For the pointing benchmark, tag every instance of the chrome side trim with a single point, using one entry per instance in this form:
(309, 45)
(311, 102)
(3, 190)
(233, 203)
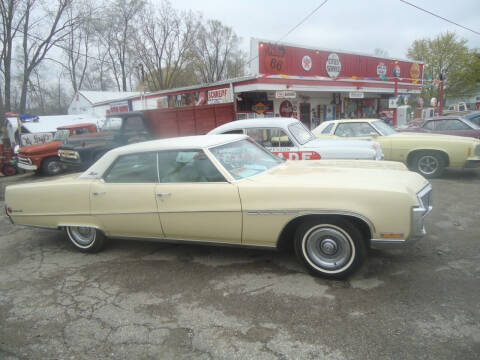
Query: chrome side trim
(191, 242)
(380, 242)
(271, 212)
(39, 226)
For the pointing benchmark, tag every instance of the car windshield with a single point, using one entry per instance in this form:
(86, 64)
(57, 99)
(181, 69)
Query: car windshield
(244, 158)
(62, 135)
(383, 128)
(112, 124)
(472, 124)
(301, 134)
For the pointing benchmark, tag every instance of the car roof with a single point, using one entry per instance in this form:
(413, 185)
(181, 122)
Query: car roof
(177, 143)
(253, 123)
(347, 120)
(186, 142)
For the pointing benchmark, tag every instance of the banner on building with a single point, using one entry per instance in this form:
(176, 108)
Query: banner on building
(219, 96)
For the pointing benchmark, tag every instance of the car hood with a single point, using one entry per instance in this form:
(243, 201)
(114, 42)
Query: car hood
(40, 148)
(343, 174)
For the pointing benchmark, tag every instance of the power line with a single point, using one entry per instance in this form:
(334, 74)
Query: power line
(296, 26)
(303, 20)
(440, 17)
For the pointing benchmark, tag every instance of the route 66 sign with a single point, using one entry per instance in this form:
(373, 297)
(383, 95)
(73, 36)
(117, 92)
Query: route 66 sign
(275, 59)
(306, 63)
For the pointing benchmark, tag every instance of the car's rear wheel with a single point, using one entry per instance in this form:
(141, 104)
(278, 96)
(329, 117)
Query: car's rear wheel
(52, 166)
(329, 247)
(86, 239)
(429, 164)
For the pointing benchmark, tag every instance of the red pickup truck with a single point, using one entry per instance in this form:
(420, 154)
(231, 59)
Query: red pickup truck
(44, 157)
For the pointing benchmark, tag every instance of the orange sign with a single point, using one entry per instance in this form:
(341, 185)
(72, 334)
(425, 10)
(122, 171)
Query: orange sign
(415, 71)
(260, 108)
(275, 58)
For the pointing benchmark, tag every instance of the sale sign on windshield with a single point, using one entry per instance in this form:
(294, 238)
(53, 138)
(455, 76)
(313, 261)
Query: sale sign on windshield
(297, 155)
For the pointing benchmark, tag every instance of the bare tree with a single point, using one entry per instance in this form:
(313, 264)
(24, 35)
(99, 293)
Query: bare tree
(11, 20)
(76, 44)
(166, 44)
(36, 43)
(217, 52)
(118, 33)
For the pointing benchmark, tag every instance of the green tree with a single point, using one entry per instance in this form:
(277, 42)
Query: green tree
(449, 56)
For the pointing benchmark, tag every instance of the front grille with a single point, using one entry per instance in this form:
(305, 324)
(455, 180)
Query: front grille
(24, 160)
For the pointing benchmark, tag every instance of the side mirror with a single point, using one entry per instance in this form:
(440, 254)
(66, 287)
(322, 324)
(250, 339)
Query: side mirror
(373, 134)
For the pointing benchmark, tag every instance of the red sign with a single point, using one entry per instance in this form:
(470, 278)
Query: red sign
(275, 60)
(298, 155)
(286, 109)
(290, 60)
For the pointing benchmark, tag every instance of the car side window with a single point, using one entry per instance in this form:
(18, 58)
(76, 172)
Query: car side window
(186, 166)
(354, 129)
(328, 129)
(238, 131)
(133, 168)
(429, 125)
(451, 124)
(270, 137)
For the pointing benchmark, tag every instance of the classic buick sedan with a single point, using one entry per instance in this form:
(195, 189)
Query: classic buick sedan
(228, 190)
(428, 154)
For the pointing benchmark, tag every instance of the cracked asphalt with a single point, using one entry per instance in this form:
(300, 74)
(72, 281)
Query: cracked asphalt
(141, 300)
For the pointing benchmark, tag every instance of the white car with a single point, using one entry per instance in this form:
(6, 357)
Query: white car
(290, 139)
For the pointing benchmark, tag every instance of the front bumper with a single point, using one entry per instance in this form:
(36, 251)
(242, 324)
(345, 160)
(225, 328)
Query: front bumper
(417, 224)
(472, 163)
(25, 163)
(26, 166)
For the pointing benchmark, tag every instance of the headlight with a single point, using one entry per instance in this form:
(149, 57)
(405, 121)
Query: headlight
(425, 198)
(69, 154)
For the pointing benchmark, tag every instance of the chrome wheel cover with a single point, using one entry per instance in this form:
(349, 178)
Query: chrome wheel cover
(82, 236)
(328, 248)
(428, 164)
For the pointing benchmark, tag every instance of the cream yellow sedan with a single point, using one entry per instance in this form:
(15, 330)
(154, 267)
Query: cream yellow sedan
(228, 190)
(428, 154)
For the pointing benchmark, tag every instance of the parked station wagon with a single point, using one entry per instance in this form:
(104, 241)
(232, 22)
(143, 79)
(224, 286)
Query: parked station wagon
(290, 139)
(228, 190)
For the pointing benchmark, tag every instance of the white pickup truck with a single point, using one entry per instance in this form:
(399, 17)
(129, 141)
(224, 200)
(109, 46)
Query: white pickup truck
(290, 139)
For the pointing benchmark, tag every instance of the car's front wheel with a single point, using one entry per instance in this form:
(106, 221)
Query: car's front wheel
(429, 164)
(86, 239)
(52, 166)
(329, 247)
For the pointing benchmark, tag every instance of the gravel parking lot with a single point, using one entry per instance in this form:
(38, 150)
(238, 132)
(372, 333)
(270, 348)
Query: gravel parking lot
(140, 300)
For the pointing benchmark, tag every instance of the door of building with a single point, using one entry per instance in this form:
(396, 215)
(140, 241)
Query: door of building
(305, 115)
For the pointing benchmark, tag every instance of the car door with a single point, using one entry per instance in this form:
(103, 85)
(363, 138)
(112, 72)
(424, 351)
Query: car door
(124, 200)
(194, 199)
(277, 141)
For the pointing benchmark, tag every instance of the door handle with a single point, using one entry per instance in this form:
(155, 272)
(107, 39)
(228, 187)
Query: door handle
(98, 193)
(163, 194)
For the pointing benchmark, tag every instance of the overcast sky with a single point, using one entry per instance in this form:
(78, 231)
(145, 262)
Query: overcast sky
(352, 25)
